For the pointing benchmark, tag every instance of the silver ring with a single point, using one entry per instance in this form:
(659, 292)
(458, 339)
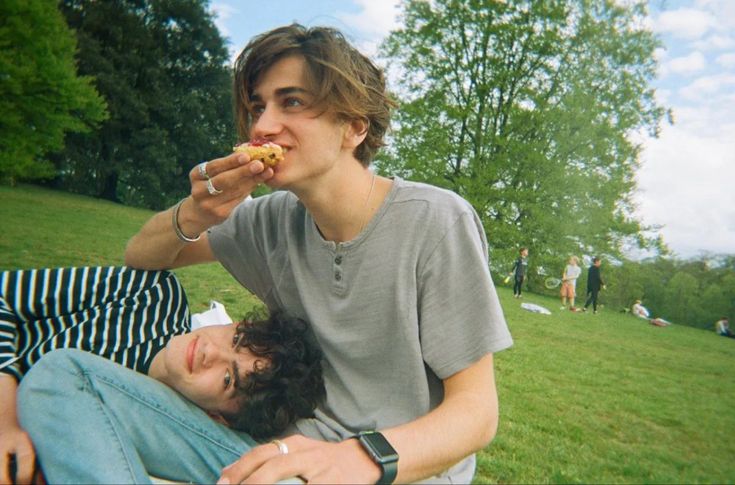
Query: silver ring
(202, 167)
(211, 188)
(282, 447)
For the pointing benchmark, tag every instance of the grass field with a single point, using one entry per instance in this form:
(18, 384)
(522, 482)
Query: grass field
(584, 398)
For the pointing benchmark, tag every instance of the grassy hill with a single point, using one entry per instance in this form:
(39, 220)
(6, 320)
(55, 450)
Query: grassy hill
(586, 398)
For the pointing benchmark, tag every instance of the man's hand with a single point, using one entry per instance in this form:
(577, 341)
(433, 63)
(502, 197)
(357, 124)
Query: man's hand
(234, 177)
(230, 179)
(15, 441)
(310, 460)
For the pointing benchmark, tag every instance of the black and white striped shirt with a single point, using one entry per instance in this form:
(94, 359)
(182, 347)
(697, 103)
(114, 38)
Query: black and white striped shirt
(122, 314)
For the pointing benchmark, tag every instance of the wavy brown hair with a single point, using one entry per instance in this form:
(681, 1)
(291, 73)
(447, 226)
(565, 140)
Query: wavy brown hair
(287, 384)
(343, 81)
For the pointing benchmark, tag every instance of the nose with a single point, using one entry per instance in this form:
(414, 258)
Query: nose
(215, 354)
(268, 123)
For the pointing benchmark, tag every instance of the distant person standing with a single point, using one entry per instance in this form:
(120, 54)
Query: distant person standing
(569, 282)
(520, 268)
(722, 327)
(594, 285)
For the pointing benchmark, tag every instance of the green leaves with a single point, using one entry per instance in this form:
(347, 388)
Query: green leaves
(526, 109)
(162, 66)
(41, 96)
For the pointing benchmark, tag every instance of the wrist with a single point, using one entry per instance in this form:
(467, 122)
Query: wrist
(177, 223)
(380, 452)
(365, 468)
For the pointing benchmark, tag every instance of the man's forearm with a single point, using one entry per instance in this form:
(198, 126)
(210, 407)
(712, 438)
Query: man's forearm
(465, 422)
(8, 395)
(155, 246)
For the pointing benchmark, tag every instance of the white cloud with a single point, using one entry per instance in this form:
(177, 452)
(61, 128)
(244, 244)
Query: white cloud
(222, 13)
(715, 42)
(682, 188)
(726, 60)
(723, 10)
(685, 23)
(688, 64)
(374, 21)
(708, 88)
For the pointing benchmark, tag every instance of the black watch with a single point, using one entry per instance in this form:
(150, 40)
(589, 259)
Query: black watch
(382, 453)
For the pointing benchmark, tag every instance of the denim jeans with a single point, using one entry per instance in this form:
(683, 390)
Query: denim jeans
(94, 421)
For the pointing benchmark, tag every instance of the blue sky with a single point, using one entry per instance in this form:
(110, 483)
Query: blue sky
(687, 179)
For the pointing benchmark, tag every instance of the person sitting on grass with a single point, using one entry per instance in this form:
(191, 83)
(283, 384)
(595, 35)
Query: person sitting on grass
(642, 312)
(255, 375)
(722, 327)
(639, 310)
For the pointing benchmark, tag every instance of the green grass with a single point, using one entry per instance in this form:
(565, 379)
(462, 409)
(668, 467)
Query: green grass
(44, 228)
(584, 398)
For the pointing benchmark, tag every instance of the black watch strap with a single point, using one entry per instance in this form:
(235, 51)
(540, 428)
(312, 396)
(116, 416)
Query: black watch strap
(382, 453)
(390, 470)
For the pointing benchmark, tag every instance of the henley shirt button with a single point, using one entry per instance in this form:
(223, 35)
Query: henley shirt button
(338, 260)
(338, 276)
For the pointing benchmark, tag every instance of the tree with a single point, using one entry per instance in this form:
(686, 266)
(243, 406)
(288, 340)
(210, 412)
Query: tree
(161, 65)
(526, 109)
(41, 95)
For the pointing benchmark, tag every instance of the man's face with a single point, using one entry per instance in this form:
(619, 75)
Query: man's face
(284, 112)
(206, 367)
(598, 263)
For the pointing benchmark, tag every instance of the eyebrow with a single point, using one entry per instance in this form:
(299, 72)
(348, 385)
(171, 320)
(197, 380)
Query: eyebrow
(236, 369)
(281, 92)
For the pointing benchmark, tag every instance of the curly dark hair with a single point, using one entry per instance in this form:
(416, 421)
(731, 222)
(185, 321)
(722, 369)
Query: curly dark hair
(287, 385)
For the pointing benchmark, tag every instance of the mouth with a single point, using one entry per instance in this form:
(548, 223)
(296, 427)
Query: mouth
(191, 353)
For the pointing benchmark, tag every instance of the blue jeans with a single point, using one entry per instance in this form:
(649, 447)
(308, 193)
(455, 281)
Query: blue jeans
(94, 421)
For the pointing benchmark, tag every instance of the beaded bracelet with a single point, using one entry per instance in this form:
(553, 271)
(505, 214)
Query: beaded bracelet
(175, 223)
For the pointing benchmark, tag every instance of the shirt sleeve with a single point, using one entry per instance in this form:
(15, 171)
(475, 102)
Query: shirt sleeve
(460, 315)
(243, 242)
(8, 335)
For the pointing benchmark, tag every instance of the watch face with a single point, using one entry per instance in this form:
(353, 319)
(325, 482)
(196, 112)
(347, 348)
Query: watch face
(384, 452)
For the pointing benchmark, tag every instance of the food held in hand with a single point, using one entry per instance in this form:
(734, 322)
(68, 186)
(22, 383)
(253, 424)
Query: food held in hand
(267, 152)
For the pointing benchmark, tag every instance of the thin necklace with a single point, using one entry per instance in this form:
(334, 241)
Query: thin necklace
(367, 201)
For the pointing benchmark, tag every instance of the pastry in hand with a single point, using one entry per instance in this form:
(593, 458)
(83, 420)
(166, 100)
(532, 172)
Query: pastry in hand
(261, 149)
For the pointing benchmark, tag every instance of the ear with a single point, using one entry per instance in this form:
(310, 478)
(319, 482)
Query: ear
(217, 417)
(355, 133)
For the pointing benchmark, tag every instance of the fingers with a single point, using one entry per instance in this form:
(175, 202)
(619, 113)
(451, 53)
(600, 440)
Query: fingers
(217, 187)
(229, 178)
(267, 463)
(17, 464)
(5, 471)
(248, 463)
(25, 466)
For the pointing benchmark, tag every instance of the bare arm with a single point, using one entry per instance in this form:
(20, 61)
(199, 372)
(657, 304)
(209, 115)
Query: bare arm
(466, 421)
(13, 440)
(156, 245)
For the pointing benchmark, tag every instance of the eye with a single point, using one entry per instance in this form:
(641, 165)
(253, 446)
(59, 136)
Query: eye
(228, 379)
(292, 102)
(256, 110)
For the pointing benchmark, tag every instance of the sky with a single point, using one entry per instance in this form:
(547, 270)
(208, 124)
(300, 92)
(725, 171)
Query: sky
(686, 183)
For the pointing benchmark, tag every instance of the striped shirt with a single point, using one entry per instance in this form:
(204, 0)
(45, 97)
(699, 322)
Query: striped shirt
(119, 313)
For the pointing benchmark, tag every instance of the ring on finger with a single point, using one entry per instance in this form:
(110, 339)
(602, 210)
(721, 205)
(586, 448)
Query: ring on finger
(282, 447)
(211, 188)
(202, 168)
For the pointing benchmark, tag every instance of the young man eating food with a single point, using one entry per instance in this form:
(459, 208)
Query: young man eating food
(391, 275)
